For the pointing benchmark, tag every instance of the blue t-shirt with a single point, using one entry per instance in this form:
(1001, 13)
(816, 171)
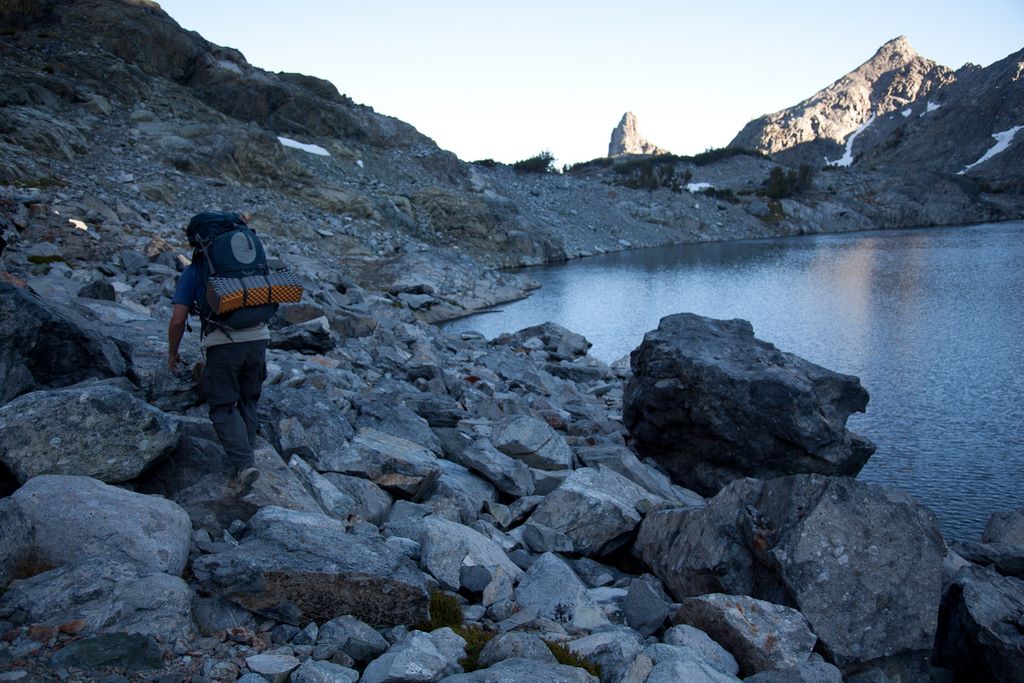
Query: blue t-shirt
(189, 290)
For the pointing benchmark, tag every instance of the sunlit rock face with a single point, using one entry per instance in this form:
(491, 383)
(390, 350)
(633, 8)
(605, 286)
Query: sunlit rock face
(626, 139)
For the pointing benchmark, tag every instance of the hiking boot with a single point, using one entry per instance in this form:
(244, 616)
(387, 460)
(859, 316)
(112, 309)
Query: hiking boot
(241, 483)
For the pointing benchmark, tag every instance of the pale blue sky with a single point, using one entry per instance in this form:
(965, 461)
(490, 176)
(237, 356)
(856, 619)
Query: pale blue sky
(505, 81)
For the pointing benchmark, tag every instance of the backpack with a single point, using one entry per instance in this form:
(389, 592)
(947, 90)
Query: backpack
(227, 253)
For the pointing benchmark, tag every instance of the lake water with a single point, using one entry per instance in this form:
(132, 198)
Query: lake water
(931, 320)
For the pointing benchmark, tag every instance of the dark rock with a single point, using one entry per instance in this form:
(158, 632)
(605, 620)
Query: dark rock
(833, 548)
(646, 606)
(98, 289)
(712, 404)
(761, 635)
(558, 342)
(353, 637)
(214, 614)
(16, 549)
(132, 651)
(313, 336)
(94, 429)
(304, 423)
(1008, 560)
(981, 626)
(46, 346)
(297, 566)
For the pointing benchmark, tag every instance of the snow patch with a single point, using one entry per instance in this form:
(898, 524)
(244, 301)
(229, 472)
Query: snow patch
(312, 149)
(1003, 141)
(906, 112)
(359, 163)
(230, 66)
(697, 187)
(930, 108)
(847, 158)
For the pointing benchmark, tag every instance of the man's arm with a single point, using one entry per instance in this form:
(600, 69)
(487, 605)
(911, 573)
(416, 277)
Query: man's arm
(175, 330)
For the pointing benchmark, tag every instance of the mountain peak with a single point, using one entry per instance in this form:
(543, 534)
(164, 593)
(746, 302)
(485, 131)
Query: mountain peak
(897, 50)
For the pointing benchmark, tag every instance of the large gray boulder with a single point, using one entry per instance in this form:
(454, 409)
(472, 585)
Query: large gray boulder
(43, 345)
(75, 519)
(981, 626)
(95, 429)
(595, 507)
(711, 404)
(298, 567)
(110, 597)
(551, 590)
(763, 636)
(833, 548)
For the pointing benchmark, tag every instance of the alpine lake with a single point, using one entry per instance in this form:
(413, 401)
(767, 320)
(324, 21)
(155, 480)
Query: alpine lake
(931, 320)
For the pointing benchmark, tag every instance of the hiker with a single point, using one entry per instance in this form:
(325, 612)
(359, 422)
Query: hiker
(235, 348)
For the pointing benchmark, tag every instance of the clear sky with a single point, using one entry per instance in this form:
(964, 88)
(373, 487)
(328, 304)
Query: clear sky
(508, 80)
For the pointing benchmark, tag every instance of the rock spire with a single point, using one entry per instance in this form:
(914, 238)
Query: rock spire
(626, 139)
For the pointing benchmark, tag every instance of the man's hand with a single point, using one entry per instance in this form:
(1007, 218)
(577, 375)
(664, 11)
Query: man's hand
(175, 329)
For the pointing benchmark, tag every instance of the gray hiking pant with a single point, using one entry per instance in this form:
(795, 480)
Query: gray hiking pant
(232, 381)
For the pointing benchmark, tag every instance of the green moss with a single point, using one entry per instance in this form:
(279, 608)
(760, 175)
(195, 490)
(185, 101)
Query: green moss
(40, 259)
(566, 656)
(475, 638)
(444, 611)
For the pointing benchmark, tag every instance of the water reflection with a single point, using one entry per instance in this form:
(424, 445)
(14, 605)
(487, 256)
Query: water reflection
(932, 321)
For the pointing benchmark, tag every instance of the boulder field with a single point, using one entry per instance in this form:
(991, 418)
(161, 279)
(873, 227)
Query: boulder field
(435, 507)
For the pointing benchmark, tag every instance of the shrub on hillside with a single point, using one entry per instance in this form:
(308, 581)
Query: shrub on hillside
(542, 163)
(781, 184)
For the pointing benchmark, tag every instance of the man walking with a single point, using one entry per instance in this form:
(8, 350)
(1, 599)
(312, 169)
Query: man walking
(235, 361)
